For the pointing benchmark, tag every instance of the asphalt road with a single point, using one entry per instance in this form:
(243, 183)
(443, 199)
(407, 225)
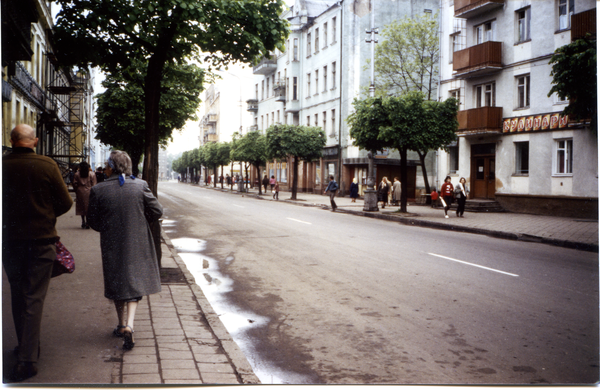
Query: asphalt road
(336, 298)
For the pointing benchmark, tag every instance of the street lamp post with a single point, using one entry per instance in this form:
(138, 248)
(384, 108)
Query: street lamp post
(370, 193)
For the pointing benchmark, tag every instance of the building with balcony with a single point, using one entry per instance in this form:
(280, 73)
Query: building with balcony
(55, 100)
(316, 80)
(513, 144)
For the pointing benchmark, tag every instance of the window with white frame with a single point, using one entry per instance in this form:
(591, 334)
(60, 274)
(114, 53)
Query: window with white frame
(295, 88)
(333, 123)
(308, 120)
(268, 89)
(295, 49)
(563, 164)
(333, 75)
(308, 48)
(566, 8)
(454, 45)
(523, 24)
(453, 157)
(325, 79)
(256, 91)
(287, 49)
(333, 29)
(522, 158)
(455, 93)
(325, 121)
(486, 32)
(307, 85)
(316, 40)
(262, 90)
(325, 42)
(316, 120)
(316, 82)
(485, 95)
(523, 91)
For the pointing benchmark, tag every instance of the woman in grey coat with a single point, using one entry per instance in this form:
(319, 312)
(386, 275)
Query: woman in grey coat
(121, 209)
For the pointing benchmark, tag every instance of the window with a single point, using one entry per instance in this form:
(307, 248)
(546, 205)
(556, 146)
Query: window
(308, 85)
(316, 120)
(486, 32)
(287, 89)
(455, 94)
(523, 24)
(262, 90)
(564, 157)
(566, 8)
(325, 121)
(316, 40)
(485, 95)
(453, 157)
(324, 79)
(316, 82)
(454, 45)
(333, 75)
(308, 49)
(333, 30)
(523, 91)
(295, 49)
(256, 91)
(268, 89)
(308, 120)
(522, 158)
(287, 49)
(295, 89)
(333, 123)
(325, 35)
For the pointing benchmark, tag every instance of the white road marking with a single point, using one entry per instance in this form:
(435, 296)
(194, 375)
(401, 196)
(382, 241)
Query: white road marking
(297, 220)
(474, 265)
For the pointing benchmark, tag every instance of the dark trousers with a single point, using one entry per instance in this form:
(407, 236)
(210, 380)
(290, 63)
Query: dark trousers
(29, 268)
(332, 200)
(461, 205)
(448, 200)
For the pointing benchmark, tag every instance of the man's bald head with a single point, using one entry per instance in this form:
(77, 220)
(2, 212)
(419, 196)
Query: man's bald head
(23, 136)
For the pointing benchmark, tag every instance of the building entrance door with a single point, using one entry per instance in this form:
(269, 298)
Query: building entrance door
(483, 171)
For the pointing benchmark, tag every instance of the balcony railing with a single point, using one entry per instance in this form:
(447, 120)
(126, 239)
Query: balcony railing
(478, 60)
(279, 90)
(483, 120)
(252, 105)
(471, 8)
(253, 128)
(267, 65)
(583, 23)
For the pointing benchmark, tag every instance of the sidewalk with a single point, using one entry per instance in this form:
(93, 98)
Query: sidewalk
(574, 233)
(179, 339)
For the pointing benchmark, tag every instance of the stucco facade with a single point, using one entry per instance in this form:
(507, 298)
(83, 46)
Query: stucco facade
(514, 146)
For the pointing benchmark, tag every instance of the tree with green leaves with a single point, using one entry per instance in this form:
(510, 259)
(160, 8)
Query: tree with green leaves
(574, 78)
(407, 58)
(250, 148)
(215, 155)
(299, 142)
(112, 33)
(120, 112)
(405, 123)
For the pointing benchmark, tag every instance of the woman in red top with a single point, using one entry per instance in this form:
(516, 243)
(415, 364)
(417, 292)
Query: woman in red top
(447, 192)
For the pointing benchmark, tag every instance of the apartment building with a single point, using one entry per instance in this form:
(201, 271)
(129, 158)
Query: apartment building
(36, 90)
(513, 144)
(316, 79)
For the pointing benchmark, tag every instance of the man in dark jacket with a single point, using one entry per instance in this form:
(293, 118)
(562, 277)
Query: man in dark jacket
(332, 187)
(34, 194)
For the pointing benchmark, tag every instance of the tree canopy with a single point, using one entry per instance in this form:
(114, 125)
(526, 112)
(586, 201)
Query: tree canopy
(112, 33)
(574, 78)
(120, 112)
(300, 142)
(407, 58)
(250, 148)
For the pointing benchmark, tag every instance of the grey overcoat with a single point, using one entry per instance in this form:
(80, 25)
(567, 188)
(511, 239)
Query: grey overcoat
(121, 215)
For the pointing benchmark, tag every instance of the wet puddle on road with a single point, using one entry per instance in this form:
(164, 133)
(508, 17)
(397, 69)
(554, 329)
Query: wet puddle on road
(215, 286)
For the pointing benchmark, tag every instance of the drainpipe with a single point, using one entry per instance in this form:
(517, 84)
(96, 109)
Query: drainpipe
(439, 92)
(341, 73)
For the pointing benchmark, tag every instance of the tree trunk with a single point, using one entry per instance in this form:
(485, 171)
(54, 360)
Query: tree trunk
(257, 166)
(403, 179)
(425, 178)
(221, 177)
(295, 179)
(135, 162)
(246, 166)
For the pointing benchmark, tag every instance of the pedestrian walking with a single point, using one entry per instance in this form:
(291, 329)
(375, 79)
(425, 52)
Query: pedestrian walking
(265, 182)
(332, 187)
(272, 182)
(99, 174)
(382, 191)
(83, 182)
(34, 194)
(276, 191)
(460, 193)
(121, 209)
(447, 193)
(396, 191)
(354, 190)
(434, 198)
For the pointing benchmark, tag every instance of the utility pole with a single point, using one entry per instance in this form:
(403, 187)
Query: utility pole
(370, 193)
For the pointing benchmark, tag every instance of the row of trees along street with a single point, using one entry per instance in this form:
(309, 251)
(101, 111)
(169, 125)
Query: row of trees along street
(302, 143)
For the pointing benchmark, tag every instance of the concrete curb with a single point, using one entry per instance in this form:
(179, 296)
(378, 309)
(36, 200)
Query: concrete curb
(238, 360)
(442, 226)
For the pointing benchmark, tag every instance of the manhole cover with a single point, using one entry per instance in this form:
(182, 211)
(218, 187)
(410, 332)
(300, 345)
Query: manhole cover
(172, 276)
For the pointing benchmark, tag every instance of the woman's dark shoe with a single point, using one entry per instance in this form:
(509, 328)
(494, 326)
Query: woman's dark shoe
(22, 371)
(83, 225)
(128, 342)
(117, 332)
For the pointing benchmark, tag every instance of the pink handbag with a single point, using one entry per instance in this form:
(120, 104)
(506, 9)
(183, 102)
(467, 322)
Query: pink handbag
(64, 262)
